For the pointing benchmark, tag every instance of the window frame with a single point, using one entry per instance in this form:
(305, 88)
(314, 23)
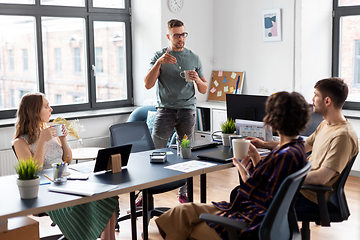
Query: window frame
(338, 12)
(89, 14)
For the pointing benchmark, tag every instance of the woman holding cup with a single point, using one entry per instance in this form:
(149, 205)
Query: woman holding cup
(34, 139)
(287, 114)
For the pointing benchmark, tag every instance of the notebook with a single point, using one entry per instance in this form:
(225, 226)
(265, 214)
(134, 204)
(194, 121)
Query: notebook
(225, 154)
(104, 155)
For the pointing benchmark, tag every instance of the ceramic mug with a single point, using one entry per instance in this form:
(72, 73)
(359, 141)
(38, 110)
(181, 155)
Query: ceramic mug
(240, 148)
(185, 74)
(59, 130)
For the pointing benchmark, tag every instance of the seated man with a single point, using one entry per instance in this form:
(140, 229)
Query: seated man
(249, 201)
(333, 143)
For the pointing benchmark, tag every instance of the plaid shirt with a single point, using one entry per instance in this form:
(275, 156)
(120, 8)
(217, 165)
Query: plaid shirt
(250, 201)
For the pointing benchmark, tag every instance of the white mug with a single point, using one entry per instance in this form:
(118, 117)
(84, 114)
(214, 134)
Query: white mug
(185, 74)
(240, 148)
(59, 129)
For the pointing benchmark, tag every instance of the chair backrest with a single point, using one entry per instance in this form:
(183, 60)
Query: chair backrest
(280, 220)
(140, 113)
(13, 148)
(338, 197)
(135, 133)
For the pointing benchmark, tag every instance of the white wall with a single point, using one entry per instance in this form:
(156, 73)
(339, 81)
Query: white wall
(149, 24)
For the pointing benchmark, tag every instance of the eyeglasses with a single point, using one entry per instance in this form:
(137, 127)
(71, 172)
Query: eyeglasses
(177, 35)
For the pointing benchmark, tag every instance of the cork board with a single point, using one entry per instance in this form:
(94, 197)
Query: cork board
(225, 82)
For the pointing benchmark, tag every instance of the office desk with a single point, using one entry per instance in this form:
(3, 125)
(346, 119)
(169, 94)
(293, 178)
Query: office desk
(129, 180)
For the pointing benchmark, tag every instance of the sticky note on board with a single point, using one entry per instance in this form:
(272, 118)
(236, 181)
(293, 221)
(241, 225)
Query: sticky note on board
(233, 75)
(226, 88)
(216, 83)
(213, 90)
(219, 93)
(231, 89)
(224, 80)
(220, 73)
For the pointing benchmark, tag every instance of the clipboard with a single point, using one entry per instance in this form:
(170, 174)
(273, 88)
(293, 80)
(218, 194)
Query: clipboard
(225, 82)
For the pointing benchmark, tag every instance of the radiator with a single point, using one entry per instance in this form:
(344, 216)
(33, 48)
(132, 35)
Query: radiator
(8, 159)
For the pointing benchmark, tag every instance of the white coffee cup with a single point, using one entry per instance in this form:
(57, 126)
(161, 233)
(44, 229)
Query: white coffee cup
(185, 74)
(240, 148)
(59, 129)
(234, 136)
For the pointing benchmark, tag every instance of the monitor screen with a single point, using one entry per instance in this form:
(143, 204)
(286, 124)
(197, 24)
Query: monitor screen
(246, 107)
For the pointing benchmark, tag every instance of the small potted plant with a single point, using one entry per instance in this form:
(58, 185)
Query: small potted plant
(28, 181)
(185, 151)
(227, 128)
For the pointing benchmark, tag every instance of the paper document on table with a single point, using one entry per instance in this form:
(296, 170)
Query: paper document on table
(86, 167)
(190, 166)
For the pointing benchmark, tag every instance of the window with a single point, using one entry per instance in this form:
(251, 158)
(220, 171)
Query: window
(121, 60)
(99, 60)
(346, 48)
(25, 60)
(11, 60)
(74, 51)
(57, 56)
(77, 60)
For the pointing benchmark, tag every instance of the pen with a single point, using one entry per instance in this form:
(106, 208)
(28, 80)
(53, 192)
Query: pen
(67, 157)
(48, 177)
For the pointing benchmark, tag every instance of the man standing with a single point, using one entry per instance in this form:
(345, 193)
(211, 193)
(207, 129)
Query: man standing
(333, 143)
(175, 97)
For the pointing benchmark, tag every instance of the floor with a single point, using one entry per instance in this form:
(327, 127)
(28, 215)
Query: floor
(223, 181)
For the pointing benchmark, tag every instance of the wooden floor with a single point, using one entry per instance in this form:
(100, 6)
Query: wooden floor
(222, 183)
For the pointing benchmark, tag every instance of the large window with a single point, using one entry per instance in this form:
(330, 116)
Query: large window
(346, 48)
(69, 50)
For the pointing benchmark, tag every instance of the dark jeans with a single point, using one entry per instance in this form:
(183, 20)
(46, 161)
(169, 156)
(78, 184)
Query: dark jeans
(183, 120)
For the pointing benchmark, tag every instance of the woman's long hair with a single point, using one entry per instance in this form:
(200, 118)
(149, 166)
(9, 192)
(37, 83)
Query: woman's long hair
(28, 116)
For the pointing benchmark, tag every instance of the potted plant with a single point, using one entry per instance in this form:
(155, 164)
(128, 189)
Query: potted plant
(227, 128)
(28, 181)
(185, 151)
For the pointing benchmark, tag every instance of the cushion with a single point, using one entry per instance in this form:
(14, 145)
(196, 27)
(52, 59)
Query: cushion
(150, 120)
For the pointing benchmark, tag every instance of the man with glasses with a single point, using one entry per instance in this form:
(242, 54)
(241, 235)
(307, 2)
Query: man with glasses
(175, 96)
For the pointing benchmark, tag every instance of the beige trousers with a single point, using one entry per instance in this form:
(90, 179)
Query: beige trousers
(182, 222)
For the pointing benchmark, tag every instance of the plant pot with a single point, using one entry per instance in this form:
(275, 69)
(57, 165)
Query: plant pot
(185, 152)
(28, 189)
(225, 139)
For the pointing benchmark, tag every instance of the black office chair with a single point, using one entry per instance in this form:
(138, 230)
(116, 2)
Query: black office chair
(137, 134)
(338, 212)
(280, 220)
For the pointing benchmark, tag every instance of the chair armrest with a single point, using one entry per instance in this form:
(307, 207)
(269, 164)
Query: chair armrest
(320, 191)
(231, 225)
(317, 188)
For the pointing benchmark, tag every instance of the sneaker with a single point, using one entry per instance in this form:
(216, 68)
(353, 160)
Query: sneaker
(139, 202)
(138, 205)
(183, 198)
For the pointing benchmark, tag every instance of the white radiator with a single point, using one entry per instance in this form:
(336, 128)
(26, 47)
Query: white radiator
(8, 159)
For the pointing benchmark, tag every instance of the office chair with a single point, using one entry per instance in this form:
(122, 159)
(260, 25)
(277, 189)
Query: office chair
(280, 221)
(327, 214)
(52, 237)
(137, 134)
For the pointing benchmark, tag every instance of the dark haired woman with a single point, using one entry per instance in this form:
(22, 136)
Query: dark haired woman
(34, 139)
(249, 201)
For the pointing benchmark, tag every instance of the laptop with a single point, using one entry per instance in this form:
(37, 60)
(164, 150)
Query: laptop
(226, 154)
(104, 155)
(200, 144)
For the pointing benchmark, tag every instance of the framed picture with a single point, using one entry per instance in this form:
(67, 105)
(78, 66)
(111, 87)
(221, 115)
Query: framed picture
(271, 25)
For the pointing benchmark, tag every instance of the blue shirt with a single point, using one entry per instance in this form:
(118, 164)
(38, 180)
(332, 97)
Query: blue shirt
(172, 91)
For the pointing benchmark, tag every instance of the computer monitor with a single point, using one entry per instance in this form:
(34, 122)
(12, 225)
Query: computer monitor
(252, 107)
(246, 107)
(314, 122)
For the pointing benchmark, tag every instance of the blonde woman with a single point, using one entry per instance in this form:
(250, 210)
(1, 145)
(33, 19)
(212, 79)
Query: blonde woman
(34, 139)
